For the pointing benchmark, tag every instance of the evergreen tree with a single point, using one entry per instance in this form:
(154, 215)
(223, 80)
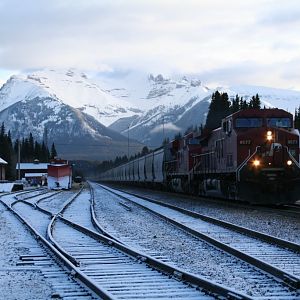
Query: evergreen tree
(37, 151)
(6, 151)
(297, 119)
(145, 151)
(219, 108)
(44, 153)
(235, 106)
(166, 141)
(2, 130)
(178, 136)
(30, 150)
(255, 102)
(53, 151)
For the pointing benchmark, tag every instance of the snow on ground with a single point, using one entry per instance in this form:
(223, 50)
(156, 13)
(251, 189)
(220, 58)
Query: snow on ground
(18, 282)
(6, 187)
(280, 226)
(156, 237)
(23, 285)
(79, 210)
(54, 204)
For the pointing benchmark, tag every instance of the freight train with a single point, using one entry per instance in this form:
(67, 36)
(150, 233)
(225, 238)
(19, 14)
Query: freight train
(253, 156)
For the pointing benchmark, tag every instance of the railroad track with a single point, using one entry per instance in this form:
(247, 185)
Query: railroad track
(292, 209)
(122, 272)
(277, 257)
(289, 210)
(52, 265)
(110, 269)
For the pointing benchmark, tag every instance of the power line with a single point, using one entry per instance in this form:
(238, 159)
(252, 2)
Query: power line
(95, 145)
(109, 145)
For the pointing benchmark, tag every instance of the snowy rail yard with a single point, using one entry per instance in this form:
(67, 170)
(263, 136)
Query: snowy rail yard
(100, 243)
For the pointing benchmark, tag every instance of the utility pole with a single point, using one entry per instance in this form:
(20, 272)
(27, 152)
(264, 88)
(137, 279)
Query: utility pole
(128, 143)
(46, 136)
(163, 129)
(19, 160)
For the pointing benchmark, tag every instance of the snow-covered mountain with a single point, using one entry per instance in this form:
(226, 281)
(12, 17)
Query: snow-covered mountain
(170, 105)
(70, 87)
(271, 97)
(149, 105)
(77, 135)
(144, 107)
(174, 104)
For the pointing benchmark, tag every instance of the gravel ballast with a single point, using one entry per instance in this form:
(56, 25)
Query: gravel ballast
(272, 223)
(156, 237)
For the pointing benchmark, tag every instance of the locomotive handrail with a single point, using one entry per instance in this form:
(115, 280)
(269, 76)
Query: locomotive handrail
(199, 162)
(292, 157)
(241, 166)
(202, 154)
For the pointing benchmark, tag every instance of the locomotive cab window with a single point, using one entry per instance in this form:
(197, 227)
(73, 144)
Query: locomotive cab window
(227, 126)
(279, 122)
(248, 122)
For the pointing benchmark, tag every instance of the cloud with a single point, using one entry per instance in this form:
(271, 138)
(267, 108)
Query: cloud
(280, 13)
(166, 126)
(159, 36)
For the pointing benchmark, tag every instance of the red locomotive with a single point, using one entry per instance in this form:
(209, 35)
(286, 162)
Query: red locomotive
(253, 156)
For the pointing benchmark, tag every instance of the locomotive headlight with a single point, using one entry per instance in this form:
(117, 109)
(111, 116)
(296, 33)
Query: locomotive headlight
(256, 163)
(289, 162)
(269, 135)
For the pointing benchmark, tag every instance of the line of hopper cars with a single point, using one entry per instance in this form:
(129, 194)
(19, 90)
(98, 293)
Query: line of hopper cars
(253, 157)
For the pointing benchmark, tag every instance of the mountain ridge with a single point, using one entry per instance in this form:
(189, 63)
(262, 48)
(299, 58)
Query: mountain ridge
(144, 107)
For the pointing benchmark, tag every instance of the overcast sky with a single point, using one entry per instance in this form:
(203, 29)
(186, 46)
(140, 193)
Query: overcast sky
(224, 42)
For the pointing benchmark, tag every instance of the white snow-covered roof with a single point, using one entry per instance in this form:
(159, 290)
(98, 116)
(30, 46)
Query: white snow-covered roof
(32, 166)
(6, 187)
(2, 161)
(35, 174)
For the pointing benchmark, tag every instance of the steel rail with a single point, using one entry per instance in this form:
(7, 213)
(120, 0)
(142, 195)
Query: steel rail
(74, 271)
(49, 236)
(200, 282)
(252, 233)
(51, 225)
(285, 210)
(152, 262)
(167, 269)
(288, 278)
(94, 218)
(34, 196)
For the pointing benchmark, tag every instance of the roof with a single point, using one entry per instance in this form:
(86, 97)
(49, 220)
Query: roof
(32, 166)
(35, 174)
(2, 161)
(261, 113)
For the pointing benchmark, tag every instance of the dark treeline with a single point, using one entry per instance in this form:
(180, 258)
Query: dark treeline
(119, 160)
(7, 151)
(221, 106)
(297, 118)
(30, 150)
